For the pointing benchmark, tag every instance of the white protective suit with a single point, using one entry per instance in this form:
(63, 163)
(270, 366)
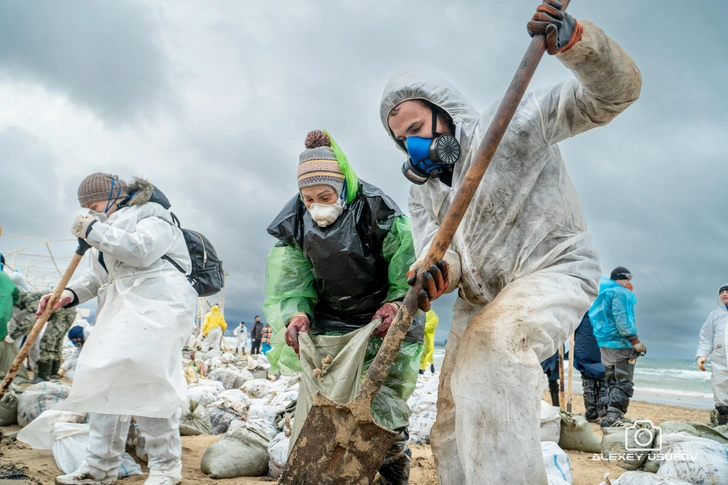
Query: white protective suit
(18, 279)
(131, 364)
(712, 344)
(521, 257)
(241, 338)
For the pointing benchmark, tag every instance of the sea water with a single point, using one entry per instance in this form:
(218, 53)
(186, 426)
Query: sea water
(665, 381)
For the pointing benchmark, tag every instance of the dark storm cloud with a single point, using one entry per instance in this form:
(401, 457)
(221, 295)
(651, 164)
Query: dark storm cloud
(103, 55)
(258, 77)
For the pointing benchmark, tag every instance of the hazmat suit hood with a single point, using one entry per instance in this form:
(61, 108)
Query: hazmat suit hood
(721, 305)
(418, 83)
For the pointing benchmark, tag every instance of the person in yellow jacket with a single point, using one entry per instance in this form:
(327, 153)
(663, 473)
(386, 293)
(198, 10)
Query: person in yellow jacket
(213, 327)
(431, 323)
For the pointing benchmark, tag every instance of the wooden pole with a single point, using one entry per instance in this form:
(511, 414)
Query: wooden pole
(570, 395)
(561, 375)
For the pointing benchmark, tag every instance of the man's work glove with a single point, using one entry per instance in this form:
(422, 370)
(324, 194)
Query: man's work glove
(298, 324)
(638, 346)
(560, 28)
(701, 363)
(434, 283)
(80, 225)
(66, 297)
(386, 314)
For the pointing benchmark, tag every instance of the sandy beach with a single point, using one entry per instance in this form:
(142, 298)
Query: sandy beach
(39, 465)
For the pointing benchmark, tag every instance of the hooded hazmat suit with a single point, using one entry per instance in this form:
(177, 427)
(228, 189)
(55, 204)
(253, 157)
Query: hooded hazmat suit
(713, 343)
(131, 363)
(213, 328)
(521, 257)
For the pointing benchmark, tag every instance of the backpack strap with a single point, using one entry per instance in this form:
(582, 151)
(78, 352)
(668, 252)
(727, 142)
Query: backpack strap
(175, 222)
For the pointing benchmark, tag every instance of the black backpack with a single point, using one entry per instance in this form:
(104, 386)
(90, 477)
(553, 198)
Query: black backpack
(207, 276)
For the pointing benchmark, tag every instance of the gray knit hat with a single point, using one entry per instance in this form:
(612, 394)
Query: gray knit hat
(101, 186)
(317, 164)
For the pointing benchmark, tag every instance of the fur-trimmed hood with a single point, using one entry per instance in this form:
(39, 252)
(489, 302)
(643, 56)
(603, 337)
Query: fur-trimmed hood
(142, 191)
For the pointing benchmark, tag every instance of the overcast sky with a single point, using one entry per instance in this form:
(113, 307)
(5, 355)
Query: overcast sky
(211, 101)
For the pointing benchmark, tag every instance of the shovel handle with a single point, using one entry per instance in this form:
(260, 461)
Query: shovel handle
(38, 326)
(509, 104)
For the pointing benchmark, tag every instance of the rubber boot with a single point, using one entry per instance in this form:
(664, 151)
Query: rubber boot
(602, 398)
(396, 467)
(432, 368)
(614, 415)
(591, 398)
(43, 373)
(554, 391)
(55, 366)
(722, 415)
(422, 372)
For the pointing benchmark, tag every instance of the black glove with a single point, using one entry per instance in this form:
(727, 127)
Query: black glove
(558, 27)
(434, 283)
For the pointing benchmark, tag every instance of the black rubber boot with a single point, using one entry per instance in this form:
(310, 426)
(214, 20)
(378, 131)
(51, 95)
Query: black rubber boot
(43, 373)
(396, 467)
(554, 391)
(422, 372)
(722, 415)
(614, 415)
(55, 366)
(591, 398)
(602, 395)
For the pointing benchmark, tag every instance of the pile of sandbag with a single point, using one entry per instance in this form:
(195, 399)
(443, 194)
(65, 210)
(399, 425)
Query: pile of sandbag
(39, 398)
(241, 452)
(423, 404)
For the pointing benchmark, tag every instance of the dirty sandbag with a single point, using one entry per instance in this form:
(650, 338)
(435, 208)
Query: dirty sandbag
(557, 463)
(577, 435)
(337, 363)
(643, 478)
(224, 375)
(9, 406)
(69, 449)
(39, 398)
(277, 455)
(550, 423)
(702, 461)
(621, 441)
(8, 352)
(242, 377)
(257, 388)
(242, 452)
(194, 420)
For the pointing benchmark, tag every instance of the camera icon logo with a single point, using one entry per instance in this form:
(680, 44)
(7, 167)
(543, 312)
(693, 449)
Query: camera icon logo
(642, 436)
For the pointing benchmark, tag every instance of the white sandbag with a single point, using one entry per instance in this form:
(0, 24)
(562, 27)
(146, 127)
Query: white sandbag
(202, 395)
(283, 398)
(242, 377)
(695, 460)
(194, 420)
(257, 388)
(556, 461)
(277, 455)
(644, 478)
(234, 395)
(576, 434)
(39, 398)
(242, 452)
(9, 406)
(216, 385)
(70, 441)
(224, 375)
(550, 423)
(265, 427)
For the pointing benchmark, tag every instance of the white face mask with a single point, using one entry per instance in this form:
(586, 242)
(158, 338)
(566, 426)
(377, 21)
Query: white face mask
(99, 216)
(326, 214)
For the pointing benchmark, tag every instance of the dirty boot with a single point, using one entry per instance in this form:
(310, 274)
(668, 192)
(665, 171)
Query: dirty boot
(614, 415)
(602, 398)
(85, 475)
(396, 467)
(43, 372)
(591, 398)
(554, 391)
(55, 366)
(722, 415)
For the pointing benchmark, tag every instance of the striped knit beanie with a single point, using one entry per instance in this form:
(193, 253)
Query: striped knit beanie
(100, 186)
(317, 164)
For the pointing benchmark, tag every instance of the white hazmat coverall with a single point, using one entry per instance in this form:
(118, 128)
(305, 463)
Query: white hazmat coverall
(241, 338)
(131, 364)
(713, 343)
(521, 257)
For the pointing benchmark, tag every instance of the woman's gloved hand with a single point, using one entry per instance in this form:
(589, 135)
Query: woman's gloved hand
(298, 324)
(562, 31)
(386, 314)
(435, 283)
(80, 225)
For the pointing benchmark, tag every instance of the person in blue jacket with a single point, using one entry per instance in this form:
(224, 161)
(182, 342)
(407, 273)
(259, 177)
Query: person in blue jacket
(612, 318)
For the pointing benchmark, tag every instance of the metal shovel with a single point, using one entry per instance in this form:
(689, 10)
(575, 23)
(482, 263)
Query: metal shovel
(341, 444)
